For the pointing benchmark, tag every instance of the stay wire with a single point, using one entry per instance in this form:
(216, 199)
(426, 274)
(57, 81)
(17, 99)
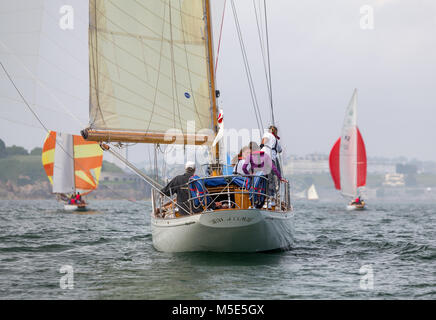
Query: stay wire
(269, 63)
(247, 69)
(262, 48)
(42, 123)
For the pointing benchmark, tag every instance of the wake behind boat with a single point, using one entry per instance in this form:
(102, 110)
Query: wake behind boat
(75, 207)
(355, 206)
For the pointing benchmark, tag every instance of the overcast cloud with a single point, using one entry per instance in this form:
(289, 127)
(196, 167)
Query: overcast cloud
(319, 54)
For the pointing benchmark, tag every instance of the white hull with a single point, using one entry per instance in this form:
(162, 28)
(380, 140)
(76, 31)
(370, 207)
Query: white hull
(249, 230)
(353, 207)
(73, 207)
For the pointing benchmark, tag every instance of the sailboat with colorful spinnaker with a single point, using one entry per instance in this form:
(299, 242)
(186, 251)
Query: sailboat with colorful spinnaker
(73, 167)
(348, 164)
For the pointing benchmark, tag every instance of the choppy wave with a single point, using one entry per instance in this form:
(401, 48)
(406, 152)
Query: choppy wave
(111, 253)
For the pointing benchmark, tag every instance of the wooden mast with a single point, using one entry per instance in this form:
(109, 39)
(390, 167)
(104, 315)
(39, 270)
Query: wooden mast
(212, 76)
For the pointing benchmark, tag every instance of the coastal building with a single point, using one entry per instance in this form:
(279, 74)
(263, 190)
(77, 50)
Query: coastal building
(319, 163)
(394, 180)
(119, 177)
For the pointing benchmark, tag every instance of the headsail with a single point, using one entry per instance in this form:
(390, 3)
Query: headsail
(150, 69)
(348, 149)
(348, 156)
(63, 171)
(71, 163)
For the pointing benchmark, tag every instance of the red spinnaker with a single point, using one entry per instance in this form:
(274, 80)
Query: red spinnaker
(334, 164)
(361, 161)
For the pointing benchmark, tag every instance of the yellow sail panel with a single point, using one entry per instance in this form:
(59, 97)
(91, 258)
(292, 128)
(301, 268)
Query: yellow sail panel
(88, 159)
(48, 153)
(149, 65)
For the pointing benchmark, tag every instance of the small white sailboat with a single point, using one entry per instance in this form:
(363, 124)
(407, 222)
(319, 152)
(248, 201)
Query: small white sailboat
(152, 80)
(348, 164)
(311, 193)
(73, 166)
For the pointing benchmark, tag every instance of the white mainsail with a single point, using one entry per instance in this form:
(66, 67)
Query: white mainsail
(63, 170)
(149, 66)
(348, 150)
(311, 193)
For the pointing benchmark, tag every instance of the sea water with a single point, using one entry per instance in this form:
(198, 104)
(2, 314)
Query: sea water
(385, 252)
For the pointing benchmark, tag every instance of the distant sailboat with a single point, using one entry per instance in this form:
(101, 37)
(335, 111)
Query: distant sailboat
(311, 193)
(348, 158)
(72, 165)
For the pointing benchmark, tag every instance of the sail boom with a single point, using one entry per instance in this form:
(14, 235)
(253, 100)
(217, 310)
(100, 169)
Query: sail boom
(141, 137)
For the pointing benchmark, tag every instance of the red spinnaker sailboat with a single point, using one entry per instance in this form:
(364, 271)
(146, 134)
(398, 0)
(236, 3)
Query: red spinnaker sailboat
(348, 158)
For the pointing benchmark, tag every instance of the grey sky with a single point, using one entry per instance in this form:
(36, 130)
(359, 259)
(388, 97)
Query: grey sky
(319, 54)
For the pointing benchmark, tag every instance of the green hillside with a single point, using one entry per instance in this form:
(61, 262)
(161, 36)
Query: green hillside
(22, 169)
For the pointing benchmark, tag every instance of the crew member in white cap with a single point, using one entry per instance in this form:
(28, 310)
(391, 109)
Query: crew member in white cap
(178, 185)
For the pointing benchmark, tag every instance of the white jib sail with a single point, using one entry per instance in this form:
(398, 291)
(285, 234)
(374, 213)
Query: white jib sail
(63, 172)
(348, 150)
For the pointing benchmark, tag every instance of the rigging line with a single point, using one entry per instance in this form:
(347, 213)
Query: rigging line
(156, 170)
(153, 183)
(36, 105)
(22, 97)
(30, 108)
(269, 63)
(37, 117)
(148, 84)
(189, 70)
(241, 43)
(131, 54)
(149, 157)
(144, 97)
(173, 67)
(219, 40)
(247, 69)
(41, 85)
(262, 48)
(146, 26)
(145, 61)
(21, 123)
(94, 38)
(158, 74)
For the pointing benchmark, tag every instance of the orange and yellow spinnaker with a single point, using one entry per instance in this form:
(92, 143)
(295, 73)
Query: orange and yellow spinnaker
(71, 163)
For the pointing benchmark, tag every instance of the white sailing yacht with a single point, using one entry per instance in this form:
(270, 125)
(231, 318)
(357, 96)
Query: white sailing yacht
(309, 193)
(152, 80)
(348, 158)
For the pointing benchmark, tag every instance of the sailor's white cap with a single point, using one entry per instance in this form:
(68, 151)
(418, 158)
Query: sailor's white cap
(190, 164)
